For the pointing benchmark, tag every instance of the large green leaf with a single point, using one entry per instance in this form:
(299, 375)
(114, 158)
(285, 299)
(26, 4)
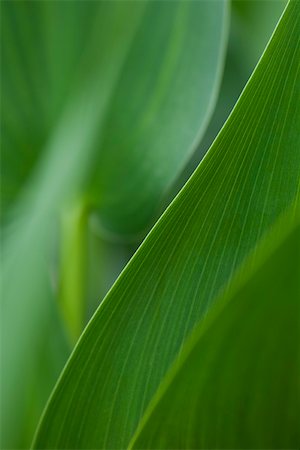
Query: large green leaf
(248, 178)
(160, 108)
(161, 103)
(251, 25)
(236, 382)
(250, 15)
(65, 67)
(27, 293)
(30, 243)
(46, 62)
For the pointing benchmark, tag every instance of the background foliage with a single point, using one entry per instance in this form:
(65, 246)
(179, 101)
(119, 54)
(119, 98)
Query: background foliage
(106, 110)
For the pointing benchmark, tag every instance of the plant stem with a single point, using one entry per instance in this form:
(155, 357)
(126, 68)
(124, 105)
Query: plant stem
(73, 267)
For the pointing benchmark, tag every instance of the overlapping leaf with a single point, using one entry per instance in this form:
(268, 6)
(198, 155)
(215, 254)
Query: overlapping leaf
(61, 62)
(46, 62)
(170, 76)
(248, 178)
(235, 385)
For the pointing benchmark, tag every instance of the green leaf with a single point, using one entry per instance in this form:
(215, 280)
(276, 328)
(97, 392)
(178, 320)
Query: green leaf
(236, 382)
(27, 269)
(251, 26)
(248, 178)
(247, 16)
(65, 66)
(160, 109)
(164, 93)
(47, 64)
(29, 244)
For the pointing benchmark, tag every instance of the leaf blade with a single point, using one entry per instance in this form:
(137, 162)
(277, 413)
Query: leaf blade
(145, 95)
(58, 84)
(139, 329)
(237, 376)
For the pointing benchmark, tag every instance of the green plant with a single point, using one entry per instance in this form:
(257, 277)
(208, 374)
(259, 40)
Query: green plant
(170, 358)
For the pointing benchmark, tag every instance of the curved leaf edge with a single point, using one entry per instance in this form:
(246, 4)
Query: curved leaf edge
(284, 227)
(150, 237)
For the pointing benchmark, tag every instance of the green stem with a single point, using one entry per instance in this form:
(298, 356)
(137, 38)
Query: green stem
(73, 267)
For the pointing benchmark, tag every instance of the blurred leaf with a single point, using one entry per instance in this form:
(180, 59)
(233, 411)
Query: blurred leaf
(46, 64)
(61, 62)
(107, 259)
(252, 23)
(236, 382)
(28, 244)
(248, 178)
(160, 107)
